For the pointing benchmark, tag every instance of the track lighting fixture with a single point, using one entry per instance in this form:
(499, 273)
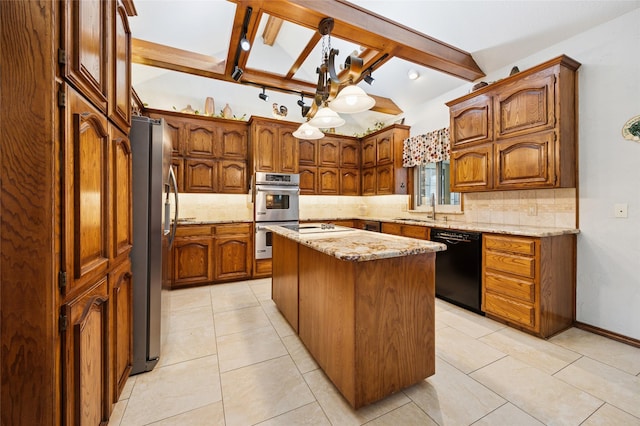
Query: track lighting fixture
(245, 44)
(301, 101)
(368, 79)
(237, 73)
(263, 95)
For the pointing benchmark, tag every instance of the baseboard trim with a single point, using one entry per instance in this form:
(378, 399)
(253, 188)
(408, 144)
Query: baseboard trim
(606, 333)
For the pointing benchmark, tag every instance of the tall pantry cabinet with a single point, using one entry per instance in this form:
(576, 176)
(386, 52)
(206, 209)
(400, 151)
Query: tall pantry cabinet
(65, 228)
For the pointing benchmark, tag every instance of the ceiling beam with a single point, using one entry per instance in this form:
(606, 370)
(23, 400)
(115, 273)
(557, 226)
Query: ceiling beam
(161, 56)
(366, 28)
(271, 30)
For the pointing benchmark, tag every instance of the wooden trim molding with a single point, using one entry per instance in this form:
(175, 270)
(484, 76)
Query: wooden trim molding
(609, 334)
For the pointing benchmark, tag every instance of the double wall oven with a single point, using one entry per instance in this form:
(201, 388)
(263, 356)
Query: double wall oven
(276, 202)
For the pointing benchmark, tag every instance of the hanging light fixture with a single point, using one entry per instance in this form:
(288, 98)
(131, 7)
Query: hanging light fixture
(307, 131)
(352, 99)
(355, 100)
(326, 118)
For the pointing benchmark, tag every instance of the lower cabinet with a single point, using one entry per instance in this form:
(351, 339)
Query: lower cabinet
(205, 254)
(411, 231)
(121, 326)
(529, 283)
(85, 352)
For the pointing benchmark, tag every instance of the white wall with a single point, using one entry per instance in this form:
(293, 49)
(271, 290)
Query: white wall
(608, 281)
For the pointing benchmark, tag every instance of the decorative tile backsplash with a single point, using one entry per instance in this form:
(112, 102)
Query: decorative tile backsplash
(544, 207)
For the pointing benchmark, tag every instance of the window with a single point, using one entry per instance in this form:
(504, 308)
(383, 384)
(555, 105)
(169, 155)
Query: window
(432, 179)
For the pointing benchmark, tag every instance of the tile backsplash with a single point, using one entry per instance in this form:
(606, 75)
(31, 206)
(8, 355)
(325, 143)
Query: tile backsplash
(544, 207)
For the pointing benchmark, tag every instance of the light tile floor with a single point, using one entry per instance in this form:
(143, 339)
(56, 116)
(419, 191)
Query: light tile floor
(230, 359)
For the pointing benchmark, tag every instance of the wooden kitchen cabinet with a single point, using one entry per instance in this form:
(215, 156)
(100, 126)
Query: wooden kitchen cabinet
(210, 155)
(120, 81)
(403, 230)
(329, 152)
(308, 155)
(529, 283)
(518, 133)
(308, 180)
(382, 171)
(274, 148)
(233, 251)
(120, 327)
(328, 180)
(350, 154)
(349, 181)
(206, 254)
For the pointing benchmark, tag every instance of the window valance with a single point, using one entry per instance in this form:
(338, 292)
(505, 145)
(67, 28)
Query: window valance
(431, 147)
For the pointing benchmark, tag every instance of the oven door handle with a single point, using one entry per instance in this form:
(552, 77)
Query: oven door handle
(262, 188)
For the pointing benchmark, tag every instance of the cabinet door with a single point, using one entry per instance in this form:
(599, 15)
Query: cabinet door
(233, 253)
(329, 180)
(121, 187)
(121, 326)
(472, 169)
(287, 156)
(177, 164)
(120, 98)
(350, 154)
(329, 153)
(308, 152)
(349, 182)
(192, 261)
(369, 181)
(175, 132)
(471, 122)
(233, 177)
(200, 175)
(85, 357)
(384, 148)
(526, 105)
(308, 180)
(201, 140)
(265, 148)
(525, 161)
(85, 206)
(368, 153)
(384, 179)
(87, 48)
(234, 142)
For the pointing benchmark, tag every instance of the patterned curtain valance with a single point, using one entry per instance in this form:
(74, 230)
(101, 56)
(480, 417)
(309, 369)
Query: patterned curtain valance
(428, 148)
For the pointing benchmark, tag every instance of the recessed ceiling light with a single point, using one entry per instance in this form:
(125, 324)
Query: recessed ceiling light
(413, 74)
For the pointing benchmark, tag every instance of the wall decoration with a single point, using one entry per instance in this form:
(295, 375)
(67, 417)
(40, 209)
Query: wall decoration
(631, 129)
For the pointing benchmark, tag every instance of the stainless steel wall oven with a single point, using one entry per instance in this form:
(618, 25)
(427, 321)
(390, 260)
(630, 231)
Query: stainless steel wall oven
(276, 202)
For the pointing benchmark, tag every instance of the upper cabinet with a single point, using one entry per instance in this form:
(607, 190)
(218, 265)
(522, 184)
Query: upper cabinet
(382, 171)
(209, 154)
(96, 56)
(517, 133)
(274, 148)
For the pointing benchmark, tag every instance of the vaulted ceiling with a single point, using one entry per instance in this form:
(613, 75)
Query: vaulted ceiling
(184, 51)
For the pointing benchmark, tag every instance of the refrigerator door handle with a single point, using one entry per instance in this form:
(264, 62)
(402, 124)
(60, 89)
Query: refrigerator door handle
(173, 183)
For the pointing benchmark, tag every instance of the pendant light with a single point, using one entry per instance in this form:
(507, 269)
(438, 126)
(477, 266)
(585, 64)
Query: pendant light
(307, 131)
(326, 118)
(352, 99)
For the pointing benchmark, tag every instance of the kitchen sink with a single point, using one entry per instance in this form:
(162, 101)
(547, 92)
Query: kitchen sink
(317, 228)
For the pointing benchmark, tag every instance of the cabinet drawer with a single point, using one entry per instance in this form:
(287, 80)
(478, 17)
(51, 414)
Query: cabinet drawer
(192, 231)
(411, 231)
(511, 310)
(232, 229)
(525, 246)
(510, 263)
(509, 286)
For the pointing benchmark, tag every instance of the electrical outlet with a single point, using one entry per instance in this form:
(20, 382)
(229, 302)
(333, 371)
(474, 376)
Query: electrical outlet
(620, 210)
(533, 210)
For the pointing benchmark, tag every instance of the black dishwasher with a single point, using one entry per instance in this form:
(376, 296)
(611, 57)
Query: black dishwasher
(458, 269)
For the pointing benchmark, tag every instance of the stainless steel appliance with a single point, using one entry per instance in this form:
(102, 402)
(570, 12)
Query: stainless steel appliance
(276, 202)
(155, 195)
(458, 269)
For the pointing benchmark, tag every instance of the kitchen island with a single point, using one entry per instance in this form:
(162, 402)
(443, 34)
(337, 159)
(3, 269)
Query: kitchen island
(362, 303)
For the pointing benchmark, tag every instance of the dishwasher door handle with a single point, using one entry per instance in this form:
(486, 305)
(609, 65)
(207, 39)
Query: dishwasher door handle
(453, 240)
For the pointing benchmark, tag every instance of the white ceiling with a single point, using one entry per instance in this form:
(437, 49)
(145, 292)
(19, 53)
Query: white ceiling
(496, 33)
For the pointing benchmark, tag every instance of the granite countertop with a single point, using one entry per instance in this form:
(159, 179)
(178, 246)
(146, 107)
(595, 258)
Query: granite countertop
(493, 228)
(358, 246)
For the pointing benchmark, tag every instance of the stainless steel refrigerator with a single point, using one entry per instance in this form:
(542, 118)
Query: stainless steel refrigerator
(155, 199)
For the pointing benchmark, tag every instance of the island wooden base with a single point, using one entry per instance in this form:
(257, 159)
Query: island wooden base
(369, 325)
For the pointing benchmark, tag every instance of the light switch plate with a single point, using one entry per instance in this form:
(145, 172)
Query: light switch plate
(620, 210)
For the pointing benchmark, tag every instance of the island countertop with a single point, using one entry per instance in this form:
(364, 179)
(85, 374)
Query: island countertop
(357, 245)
